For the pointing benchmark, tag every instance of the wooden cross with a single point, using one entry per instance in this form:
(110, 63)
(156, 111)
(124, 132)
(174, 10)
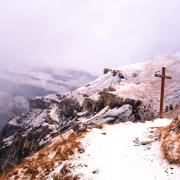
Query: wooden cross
(163, 77)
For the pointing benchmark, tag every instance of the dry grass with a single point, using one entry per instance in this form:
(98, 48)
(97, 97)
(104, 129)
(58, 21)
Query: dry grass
(68, 177)
(170, 142)
(66, 173)
(100, 126)
(40, 165)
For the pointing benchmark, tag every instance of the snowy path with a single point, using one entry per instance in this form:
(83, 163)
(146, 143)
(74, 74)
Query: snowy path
(113, 153)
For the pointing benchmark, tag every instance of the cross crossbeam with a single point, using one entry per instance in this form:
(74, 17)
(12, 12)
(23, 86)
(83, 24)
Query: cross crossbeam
(163, 78)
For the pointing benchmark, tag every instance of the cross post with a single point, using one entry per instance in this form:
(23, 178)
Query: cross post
(163, 78)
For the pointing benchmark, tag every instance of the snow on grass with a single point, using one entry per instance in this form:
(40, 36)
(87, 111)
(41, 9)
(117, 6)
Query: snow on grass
(113, 153)
(170, 142)
(47, 161)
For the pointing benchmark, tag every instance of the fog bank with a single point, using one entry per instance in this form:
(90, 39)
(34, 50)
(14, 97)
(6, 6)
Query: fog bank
(87, 34)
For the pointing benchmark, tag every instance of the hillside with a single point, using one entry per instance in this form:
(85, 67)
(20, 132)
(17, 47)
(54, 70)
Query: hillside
(128, 93)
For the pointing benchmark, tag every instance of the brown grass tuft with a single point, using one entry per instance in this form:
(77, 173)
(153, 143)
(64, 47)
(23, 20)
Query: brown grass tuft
(170, 142)
(67, 177)
(100, 126)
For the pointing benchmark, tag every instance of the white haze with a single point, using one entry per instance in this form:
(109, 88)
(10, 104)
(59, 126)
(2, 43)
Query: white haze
(87, 34)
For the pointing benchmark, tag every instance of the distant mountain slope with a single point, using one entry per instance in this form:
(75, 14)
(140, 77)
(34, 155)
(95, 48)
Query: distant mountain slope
(128, 93)
(138, 81)
(20, 83)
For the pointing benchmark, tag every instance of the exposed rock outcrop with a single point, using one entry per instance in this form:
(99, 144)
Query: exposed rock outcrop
(114, 101)
(92, 105)
(70, 107)
(40, 102)
(106, 70)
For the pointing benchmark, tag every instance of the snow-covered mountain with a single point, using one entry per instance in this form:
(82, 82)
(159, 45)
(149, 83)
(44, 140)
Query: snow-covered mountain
(20, 83)
(53, 128)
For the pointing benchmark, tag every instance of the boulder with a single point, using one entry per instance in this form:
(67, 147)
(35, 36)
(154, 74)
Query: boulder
(121, 114)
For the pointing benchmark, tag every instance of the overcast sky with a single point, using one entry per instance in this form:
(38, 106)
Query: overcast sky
(87, 34)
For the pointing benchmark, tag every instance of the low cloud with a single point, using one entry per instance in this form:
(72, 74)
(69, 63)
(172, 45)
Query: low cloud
(87, 34)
